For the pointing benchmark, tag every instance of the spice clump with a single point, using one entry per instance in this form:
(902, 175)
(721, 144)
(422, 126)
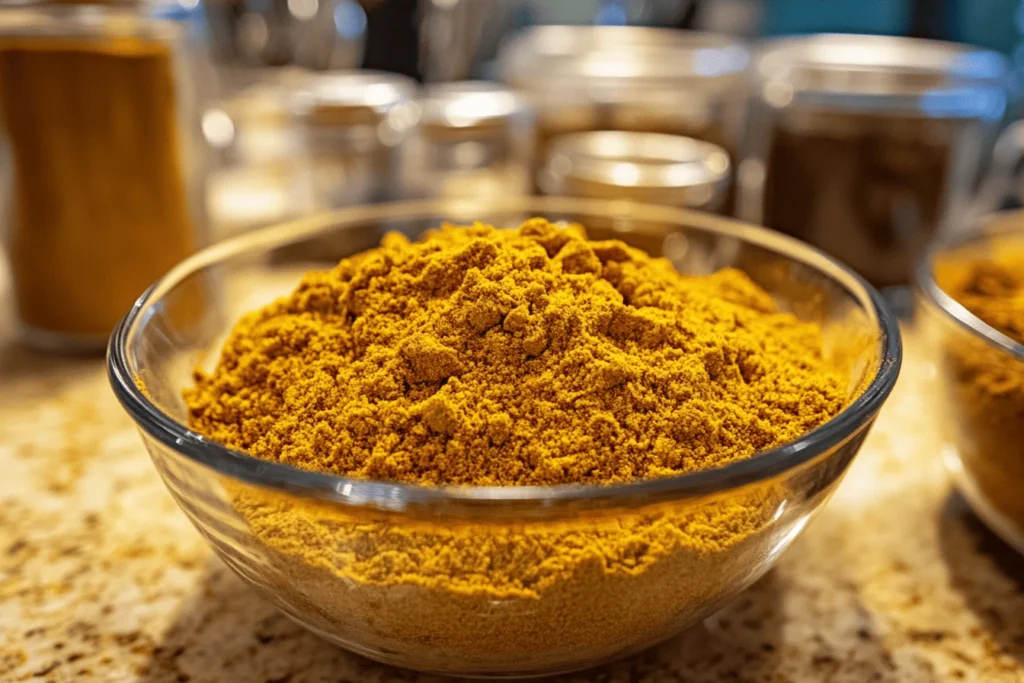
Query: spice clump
(532, 356)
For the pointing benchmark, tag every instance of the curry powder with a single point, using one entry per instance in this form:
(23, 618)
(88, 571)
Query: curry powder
(100, 203)
(986, 384)
(529, 357)
(478, 356)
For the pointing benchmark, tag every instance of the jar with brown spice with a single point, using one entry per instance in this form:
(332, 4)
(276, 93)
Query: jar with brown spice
(106, 180)
(867, 146)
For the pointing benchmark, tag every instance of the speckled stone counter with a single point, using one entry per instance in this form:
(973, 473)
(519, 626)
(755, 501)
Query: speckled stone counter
(103, 579)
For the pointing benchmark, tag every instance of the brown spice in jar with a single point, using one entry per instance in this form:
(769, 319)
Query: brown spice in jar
(867, 189)
(99, 204)
(512, 357)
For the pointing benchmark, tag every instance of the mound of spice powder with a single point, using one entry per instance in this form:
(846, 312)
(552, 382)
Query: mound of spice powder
(986, 383)
(515, 357)
(533, 356)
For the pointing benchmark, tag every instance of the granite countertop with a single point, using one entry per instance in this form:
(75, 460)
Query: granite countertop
(103, 579)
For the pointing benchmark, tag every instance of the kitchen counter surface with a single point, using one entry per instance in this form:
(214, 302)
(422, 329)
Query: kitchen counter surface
(103, 579)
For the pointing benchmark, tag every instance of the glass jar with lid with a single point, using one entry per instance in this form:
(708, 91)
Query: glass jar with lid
(106, 169)
(585, 78)
(867, 146)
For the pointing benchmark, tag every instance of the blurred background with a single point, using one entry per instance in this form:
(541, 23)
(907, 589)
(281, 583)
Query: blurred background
(138, 131)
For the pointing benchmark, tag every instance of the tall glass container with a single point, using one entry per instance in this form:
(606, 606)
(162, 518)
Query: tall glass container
(866, 146)
(105, 162)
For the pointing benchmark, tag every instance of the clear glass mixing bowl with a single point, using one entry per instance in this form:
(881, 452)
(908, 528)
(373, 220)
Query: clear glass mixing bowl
(495, 581)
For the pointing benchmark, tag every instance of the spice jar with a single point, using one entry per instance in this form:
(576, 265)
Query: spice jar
(646, 167)
(353, 125)
(474, 139)
(867, 146)
(107, 182)
(581, 78)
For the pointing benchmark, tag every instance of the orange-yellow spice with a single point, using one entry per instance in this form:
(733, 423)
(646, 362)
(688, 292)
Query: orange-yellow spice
(100, 204)
(985, 382)
(511, 357)
(533, 356)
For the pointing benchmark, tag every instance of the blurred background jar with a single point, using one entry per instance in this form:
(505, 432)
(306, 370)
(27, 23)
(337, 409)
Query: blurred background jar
(628, 78)
(474, 139)
(646, 167)
(353, 125)
(257, 173)
(353, 128)
(868, 146)
(105, 167)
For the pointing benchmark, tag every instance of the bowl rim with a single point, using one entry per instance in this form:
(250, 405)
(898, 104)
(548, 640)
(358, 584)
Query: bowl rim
(765, 465)
(933, 293)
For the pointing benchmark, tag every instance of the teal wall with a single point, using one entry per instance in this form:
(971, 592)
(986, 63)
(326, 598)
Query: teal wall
(841, 16)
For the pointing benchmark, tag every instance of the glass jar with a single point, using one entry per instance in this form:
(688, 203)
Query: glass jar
(474, 139)
(585, 78)
(106, 164)
(867, 146)
(353, 125)
(258, 172)
(646, 167)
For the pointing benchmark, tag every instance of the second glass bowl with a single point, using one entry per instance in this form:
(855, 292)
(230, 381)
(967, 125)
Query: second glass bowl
(485, 581)
(981, 380)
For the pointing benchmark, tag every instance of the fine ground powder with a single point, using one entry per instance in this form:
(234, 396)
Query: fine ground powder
(526, 357)
(533, 356)
(986, 384)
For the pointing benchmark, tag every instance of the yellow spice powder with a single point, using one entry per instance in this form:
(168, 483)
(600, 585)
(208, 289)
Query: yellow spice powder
(527, 357)
(987, 385)
(534, 356)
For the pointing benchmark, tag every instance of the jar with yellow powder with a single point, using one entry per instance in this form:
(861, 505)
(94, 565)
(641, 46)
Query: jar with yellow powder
(499, 447)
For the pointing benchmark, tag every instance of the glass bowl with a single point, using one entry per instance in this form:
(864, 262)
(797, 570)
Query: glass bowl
(491, 581)
(980, 373)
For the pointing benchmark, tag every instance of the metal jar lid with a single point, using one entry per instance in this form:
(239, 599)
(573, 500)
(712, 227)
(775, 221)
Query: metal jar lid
(352, 98)
(648, 167)
(606, 60)
(472, 109)
(883, 74)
